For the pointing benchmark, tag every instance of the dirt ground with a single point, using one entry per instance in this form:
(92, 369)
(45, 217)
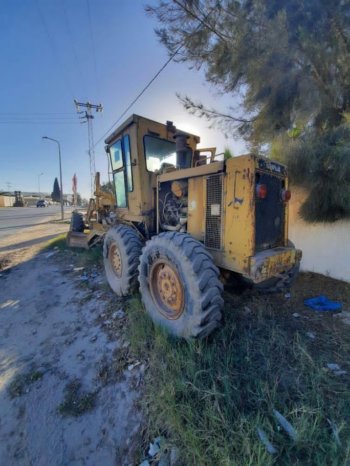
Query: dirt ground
(70, 386)
(69, 389)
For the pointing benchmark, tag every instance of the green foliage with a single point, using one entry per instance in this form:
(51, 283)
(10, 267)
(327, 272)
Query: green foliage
(56, 193)
(76, 402)
(210, 397)
(21, 383)
(287, 61)
(321, 163)
(227, 153)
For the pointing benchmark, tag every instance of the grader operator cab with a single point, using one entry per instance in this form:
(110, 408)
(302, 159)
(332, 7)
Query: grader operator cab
(183, 222)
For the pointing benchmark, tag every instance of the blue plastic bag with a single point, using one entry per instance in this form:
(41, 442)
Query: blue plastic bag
(322, 303)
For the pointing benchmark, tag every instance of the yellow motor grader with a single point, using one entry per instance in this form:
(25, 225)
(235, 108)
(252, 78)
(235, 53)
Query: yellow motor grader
(182, 222)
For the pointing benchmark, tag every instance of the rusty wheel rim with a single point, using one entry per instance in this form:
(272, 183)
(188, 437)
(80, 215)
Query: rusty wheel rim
(167, 289)
(115, 260)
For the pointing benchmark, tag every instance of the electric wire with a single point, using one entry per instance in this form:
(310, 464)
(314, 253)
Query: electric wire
(172, 56)
(53, 47)
(37, 113)
(141, 93)
(74, 51)
(93, 49)
(38, 123)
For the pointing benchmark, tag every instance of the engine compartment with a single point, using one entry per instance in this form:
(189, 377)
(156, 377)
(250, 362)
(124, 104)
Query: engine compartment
(173, 205)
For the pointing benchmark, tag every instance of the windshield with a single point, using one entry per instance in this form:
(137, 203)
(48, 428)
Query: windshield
(159, 151)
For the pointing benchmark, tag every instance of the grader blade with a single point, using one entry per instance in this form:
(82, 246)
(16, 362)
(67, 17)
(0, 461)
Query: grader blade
(76, 239)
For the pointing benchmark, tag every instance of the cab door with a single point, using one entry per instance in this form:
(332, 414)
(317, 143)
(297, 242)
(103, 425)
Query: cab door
(121, 169)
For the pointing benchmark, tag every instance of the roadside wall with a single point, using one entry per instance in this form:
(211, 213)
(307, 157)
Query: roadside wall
(325, 246)
(7, 201)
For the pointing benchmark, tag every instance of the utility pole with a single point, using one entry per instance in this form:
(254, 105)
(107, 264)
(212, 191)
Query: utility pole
(87, 118)
(39, 183)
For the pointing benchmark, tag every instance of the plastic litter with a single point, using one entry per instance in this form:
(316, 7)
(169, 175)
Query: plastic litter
(154, 448)
(286, 426)
(268, 445)
(322, 303)
(336, 369)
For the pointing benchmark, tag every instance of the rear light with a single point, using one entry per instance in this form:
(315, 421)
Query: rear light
(286, 195)
(261, 191)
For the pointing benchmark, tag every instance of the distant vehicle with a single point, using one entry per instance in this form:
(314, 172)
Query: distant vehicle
(42, 203)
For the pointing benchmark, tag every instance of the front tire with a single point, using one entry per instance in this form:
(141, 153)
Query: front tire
(179, 285)
(121, 255)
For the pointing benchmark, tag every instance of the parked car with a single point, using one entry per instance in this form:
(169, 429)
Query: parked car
(42, 203)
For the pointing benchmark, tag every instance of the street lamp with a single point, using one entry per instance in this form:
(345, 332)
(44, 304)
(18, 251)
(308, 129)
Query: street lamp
(39, 183)
(59, 157)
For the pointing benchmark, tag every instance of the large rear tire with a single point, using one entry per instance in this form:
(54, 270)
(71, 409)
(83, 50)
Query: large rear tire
(180, 286)
(121, 255)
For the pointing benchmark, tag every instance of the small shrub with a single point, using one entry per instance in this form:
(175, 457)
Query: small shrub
(21, 383)
(76, 402)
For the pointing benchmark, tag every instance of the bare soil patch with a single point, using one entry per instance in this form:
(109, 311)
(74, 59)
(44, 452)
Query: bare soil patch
(69, 386)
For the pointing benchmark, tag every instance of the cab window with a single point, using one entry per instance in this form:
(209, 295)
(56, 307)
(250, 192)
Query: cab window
(116, 155)
(122, 171)
(158, 151)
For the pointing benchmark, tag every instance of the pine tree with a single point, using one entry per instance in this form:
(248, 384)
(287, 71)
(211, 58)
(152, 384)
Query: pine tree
(289, 60)
(287, 64)
(56, 193)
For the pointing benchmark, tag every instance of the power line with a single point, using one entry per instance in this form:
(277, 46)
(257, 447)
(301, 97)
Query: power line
(37, 118)
(93, 48)
(37, 113)
(201, 22)
(75, 55)
(26, 122)
(140, 93)
(53, 46)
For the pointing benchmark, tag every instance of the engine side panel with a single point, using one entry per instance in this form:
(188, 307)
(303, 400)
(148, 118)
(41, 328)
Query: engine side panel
(238, 215)
(196, 203)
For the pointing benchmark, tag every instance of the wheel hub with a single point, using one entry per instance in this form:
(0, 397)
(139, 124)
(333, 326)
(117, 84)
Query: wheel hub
(167, 289)
(115, 260)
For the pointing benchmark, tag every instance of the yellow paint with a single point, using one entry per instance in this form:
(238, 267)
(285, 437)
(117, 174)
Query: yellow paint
(238, 203)
(196, 202)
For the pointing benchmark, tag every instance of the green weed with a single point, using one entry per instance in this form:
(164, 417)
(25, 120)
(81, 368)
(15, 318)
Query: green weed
(58, 242)
(76, 402)
(21, 383)
(209, 398)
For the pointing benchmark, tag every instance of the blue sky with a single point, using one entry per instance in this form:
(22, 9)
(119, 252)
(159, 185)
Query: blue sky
(51, 53)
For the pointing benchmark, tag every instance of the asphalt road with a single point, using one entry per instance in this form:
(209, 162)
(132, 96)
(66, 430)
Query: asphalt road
(15, 219)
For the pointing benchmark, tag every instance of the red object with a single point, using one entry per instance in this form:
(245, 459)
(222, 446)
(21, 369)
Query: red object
(74, 183)
(261, 191)
(286, 195)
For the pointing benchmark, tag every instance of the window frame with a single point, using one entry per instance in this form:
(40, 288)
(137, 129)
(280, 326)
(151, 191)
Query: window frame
(123, 169)
(126, 166)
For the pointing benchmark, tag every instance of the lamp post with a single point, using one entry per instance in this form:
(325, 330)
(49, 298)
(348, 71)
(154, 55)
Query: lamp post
(39, 183)
(59, 157)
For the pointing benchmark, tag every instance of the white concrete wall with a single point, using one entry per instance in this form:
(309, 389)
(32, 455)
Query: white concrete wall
(7, 201)
(325, 246)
